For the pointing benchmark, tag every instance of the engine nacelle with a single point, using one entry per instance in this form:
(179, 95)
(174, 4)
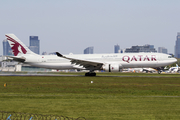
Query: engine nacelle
(112, 67)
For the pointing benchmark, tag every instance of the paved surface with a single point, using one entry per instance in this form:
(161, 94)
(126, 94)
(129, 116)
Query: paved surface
(68, 75)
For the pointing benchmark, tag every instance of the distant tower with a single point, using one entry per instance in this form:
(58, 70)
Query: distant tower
(116, 48)
(89, 50)
(177, 46)
(6, 48)
(34, 44)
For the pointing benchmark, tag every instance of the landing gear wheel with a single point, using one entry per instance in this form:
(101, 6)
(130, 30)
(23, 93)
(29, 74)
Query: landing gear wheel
(90, 74)
(159, 71)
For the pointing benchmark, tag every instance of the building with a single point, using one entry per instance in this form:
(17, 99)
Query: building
(162, 50)
(117, 49)
(122, 50)
(137, 49)
(52, 53)
(89, 50)
(1, 58)
(34, 44)
(6, 48)
(44, 53)
(10, 66)
(177, 46)
(15, 66)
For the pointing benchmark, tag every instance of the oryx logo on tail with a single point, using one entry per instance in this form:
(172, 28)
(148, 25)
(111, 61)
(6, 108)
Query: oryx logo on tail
(15, 46)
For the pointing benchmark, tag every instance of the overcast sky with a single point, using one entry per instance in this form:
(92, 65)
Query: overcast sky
(69, 26)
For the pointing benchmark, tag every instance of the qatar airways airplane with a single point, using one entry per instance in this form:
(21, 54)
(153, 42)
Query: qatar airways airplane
(91, 62)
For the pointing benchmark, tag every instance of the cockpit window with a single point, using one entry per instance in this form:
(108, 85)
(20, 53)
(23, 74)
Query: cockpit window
(170, 57)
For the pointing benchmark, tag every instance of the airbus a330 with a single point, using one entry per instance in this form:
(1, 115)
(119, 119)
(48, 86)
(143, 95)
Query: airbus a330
(91, 62)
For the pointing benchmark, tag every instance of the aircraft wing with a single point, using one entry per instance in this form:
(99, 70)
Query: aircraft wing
(88, 64)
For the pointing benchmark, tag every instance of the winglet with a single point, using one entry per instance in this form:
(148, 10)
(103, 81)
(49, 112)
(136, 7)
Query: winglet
(58, 54)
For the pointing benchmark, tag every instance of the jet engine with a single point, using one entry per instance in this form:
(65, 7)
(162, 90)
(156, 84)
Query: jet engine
(112, 67)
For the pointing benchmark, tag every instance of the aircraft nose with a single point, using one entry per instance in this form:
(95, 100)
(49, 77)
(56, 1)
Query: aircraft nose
(175, 60)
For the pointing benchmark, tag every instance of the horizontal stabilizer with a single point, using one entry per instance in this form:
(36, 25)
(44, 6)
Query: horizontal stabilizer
(18, 59)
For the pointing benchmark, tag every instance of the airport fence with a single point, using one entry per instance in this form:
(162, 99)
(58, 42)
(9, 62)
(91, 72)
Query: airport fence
(28, 116)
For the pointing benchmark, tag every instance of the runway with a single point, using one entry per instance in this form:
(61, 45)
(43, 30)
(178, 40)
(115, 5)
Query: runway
(73, 75)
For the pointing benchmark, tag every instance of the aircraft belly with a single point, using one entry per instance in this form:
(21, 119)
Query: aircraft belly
(54, 65)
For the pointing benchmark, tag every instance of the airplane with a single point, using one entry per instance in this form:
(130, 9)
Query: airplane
(128, 70)
(174, 69)
(151, 70)
(91, 62)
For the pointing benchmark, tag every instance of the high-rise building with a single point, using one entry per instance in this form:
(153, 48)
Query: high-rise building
(6, 48)
(89, 50)
(177, 46)
(162, 50)
(116, 48)
(137, 49)
(34, 44)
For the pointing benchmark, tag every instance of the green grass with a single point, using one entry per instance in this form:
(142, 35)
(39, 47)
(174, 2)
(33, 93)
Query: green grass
(108, 98)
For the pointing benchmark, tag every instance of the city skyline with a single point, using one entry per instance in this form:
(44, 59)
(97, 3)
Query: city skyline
(34, 45)
(68, 26)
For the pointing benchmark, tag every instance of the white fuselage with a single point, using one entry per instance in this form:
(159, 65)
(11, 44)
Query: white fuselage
(107, 62)
(124, 60)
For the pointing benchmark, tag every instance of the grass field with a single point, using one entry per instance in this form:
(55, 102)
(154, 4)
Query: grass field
(107, 98)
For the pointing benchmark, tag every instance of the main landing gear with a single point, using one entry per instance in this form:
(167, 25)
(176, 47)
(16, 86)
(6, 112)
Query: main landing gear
(90, 74)
(160, 69)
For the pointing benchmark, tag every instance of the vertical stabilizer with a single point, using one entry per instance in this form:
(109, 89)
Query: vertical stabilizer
(177, 65)
(18, 48)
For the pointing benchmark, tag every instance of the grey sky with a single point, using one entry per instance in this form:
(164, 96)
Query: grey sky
(72, 25)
